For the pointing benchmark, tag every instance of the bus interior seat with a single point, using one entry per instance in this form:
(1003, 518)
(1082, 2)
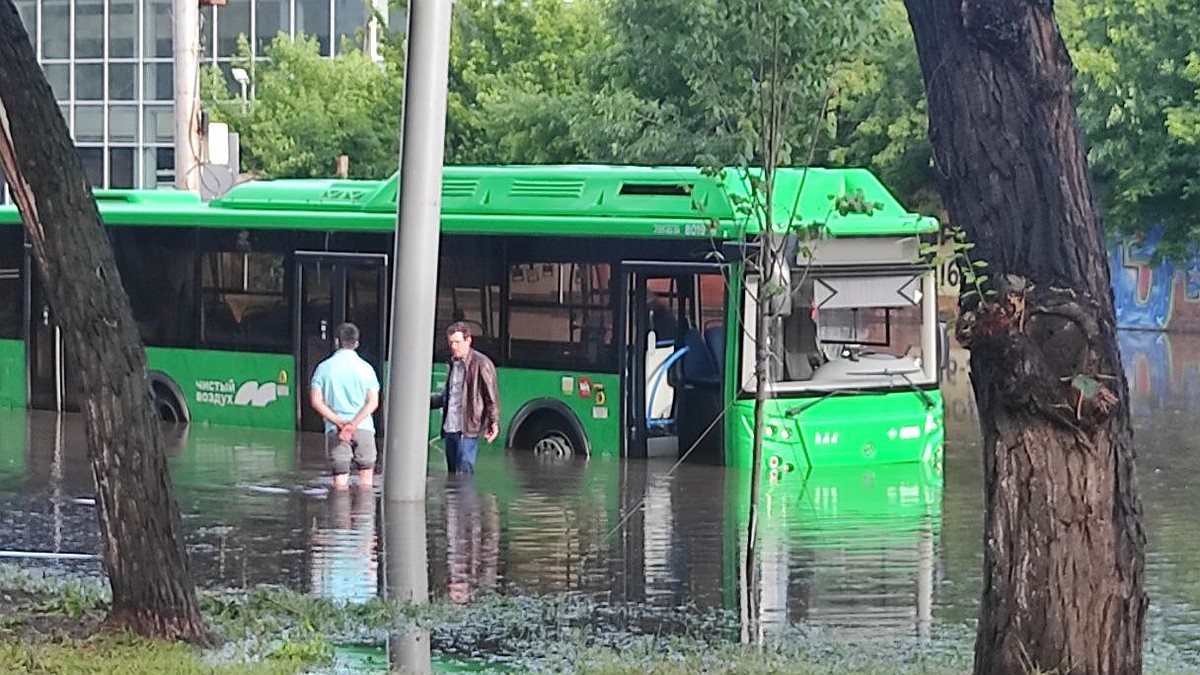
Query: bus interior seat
(714, 336)
(801, 353)
(699, 367)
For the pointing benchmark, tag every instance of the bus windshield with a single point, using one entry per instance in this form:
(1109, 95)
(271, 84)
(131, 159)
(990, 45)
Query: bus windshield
(866, 330)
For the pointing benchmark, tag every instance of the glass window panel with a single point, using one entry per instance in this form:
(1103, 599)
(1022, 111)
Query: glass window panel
(120, 167)
(122, 29)
(89, 82)
(159, 31)
(158, 271)
(89, 123)
(274, 17)
(244, 292)
(560, 314)
(349, 17)
(59, 76)
(28, 11)
(206, 33)
(160, 124)
(93, 164)
(158, 168)
(89, 29)
(122, 123)
(56, 29)
(232, 20)
(122, 81)
(159, 82)
(312, 18)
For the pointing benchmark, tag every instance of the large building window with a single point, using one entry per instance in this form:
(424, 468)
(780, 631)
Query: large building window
(158, 26)
(274, 17)
(93, 164)
(232, 20)
(56, 29)
(312, 18)
(123, 29)
(244, 297)
(122, 81)
(59, 76)
(89, 81)
(349, 17)
(89, 29)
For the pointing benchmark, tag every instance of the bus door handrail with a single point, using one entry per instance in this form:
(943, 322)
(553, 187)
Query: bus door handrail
(662, 371)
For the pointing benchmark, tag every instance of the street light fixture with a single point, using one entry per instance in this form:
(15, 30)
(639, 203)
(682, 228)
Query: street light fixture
(243, 78)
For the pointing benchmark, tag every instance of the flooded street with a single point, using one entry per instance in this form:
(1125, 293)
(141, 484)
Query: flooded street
(893, 551)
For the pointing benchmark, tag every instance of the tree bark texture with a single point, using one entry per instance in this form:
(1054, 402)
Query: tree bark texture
(1063, 542)
(144, 557)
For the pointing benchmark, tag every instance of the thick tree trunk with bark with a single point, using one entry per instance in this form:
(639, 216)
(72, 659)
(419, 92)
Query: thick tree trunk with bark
(144, 557)
(1063, 557)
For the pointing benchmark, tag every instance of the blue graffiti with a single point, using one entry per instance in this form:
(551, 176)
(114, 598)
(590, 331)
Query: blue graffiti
(1141, 291)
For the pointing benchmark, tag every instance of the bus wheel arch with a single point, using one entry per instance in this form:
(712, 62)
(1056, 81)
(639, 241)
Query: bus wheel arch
(170, 405)
(548, 427)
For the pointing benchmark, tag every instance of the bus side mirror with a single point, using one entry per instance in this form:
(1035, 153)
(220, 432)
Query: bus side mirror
(943, 356)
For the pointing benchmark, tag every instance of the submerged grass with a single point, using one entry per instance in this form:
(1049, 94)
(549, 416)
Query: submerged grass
(48, 627)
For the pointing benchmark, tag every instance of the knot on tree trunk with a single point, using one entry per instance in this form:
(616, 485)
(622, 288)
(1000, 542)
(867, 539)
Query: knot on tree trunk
(1042, 347)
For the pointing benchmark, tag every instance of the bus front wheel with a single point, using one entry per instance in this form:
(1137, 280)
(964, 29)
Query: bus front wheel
(552, 439)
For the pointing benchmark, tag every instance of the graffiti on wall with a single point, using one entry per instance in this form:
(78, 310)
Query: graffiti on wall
(1163, 295)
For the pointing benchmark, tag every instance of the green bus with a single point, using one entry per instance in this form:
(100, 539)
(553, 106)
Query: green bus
(617, 302)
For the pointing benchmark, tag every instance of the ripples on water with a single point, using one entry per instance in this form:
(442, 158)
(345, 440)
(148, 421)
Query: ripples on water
(866, 552)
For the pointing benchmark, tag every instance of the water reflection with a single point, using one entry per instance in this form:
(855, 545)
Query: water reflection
(344, 547)
(407, 581)
(870, 553)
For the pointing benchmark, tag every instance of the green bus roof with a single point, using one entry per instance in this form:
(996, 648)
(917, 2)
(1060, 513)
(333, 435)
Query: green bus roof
(581, 200)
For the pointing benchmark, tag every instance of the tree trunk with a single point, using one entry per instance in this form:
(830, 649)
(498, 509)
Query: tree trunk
(1063, 542)
(144, 557)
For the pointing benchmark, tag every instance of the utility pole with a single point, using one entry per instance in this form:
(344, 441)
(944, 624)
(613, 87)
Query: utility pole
(187, 94)
(414, 265)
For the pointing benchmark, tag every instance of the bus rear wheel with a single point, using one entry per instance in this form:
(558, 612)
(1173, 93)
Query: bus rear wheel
(167, 405)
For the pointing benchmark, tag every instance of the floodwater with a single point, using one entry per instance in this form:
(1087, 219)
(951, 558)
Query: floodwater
(880, 552)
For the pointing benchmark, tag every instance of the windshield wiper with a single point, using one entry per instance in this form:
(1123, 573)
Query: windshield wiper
(828, 393)
(904, 374)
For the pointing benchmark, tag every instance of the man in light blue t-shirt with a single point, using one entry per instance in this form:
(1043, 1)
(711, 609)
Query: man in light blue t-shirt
(345, 392)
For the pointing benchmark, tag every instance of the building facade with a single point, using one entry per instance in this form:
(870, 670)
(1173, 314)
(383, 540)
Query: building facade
(110, 64)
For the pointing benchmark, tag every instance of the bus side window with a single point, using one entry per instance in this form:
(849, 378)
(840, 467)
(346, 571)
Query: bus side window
(12, 292)
(245, 305)
(470, 275)
(560, 315)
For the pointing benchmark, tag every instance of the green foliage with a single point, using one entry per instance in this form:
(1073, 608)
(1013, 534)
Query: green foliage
(1138, 85)
(724, 73)
(307, 110)
(878, 114)
(854, 202)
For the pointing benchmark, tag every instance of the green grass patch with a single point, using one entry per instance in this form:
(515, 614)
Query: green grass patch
(48, 626)
(120, 653)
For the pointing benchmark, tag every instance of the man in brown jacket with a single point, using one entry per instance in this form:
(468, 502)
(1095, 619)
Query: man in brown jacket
(470, 402)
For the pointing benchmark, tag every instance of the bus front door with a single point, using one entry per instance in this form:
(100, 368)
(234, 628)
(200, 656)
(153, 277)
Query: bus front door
(673, 375)
(331, 289)
(53, 384)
